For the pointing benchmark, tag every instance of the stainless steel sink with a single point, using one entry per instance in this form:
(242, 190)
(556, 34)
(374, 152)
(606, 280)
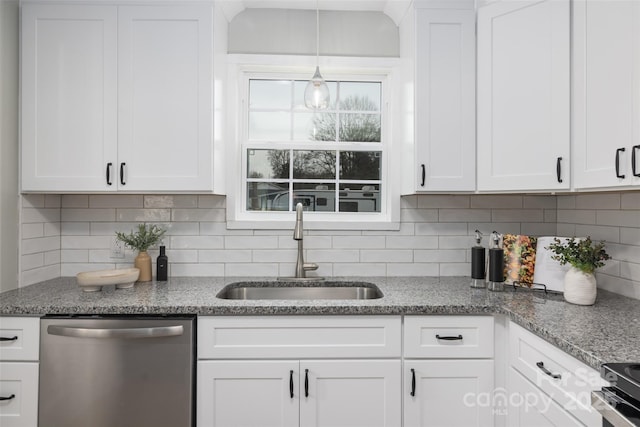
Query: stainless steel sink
(300, 291)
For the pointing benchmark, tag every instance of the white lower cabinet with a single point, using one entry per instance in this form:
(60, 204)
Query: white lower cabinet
(443, 393)
(19, 353)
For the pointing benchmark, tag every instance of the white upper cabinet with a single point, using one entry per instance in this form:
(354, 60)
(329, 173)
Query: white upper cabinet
(606, 93)
(69, 97)
(524, 95)
(445, 100)
(117, 98)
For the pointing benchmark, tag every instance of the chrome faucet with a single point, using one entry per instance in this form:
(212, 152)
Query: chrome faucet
(301, 266)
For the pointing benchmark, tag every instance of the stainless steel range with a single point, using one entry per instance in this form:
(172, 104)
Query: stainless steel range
(619, 404)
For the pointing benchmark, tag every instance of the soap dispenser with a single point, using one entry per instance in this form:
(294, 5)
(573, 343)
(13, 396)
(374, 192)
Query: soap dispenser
(496, 264)
(162, 266)
(478, 265)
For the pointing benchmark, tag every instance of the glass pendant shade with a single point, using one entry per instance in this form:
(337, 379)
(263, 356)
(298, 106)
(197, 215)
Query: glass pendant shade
(316, 94)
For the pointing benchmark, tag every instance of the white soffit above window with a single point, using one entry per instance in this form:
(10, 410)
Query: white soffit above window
(395, 9)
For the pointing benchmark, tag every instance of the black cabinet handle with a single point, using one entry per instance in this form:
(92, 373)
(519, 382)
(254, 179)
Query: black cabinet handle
(413, 382)
(8, 398)
(306, 383)
(8, 339)
(122, 165)
(109, 173)
(424, 175)
(291, 383)
(559, 169)
(548, 372)
(618, 151)
(459, 337)
(633, 160)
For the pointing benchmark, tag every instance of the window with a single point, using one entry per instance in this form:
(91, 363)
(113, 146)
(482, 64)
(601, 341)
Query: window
(328, 160)
(334, 161)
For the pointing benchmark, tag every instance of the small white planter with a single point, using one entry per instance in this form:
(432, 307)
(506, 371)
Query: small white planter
(579, 287)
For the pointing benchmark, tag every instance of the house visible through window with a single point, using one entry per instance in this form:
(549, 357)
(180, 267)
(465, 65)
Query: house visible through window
(329, 160)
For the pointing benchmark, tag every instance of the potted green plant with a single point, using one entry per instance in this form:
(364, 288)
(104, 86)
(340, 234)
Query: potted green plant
(585, 257)
(141, 240)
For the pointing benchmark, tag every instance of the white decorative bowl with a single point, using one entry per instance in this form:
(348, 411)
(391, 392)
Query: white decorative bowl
(93, 281)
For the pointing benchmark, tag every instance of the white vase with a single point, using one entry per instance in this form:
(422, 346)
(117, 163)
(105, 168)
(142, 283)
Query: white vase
(579, 287)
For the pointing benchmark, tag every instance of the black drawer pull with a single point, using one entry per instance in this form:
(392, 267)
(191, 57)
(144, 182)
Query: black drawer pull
(291, 383)
(559, 169)
(109, 173)
(618, 151)
(633, 160)
(122, 165)
(9, 339)
(306, 383)
(8, 398)
(424, 175)
(459, 337)
(548, 372)
(413, 382)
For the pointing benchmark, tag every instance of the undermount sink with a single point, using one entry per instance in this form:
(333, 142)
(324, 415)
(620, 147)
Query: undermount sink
(282, 290)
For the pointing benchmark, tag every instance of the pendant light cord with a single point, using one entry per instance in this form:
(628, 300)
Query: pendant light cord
(317, 32)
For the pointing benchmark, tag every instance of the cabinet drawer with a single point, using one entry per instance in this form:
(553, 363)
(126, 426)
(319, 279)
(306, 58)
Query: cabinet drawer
(19, 382)
(298, 337)
(448, 336)
(532, 407)
(565, 379)
(23, 338)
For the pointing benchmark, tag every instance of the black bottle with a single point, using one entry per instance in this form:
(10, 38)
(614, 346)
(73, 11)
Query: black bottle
(162, 266)
(478, 263)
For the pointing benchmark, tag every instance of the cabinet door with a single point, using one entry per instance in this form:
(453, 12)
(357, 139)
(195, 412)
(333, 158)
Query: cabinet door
(530, 407)
(19, 391)
(445, 100)
(69, 96)
(248, 394)
(524, 95)
(448, 393)
(606, 95)
(350, 393)
(165, 98)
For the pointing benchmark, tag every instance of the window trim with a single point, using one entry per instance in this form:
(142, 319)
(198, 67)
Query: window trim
(241, 69)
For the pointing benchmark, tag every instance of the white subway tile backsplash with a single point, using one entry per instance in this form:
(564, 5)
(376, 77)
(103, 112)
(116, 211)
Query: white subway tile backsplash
(497, 202)
(366, 270)
(330, 255)
(224, 255)
(517, 215)
(386, 255)
(143, 215)
(90, 215)
(412, 269)
(355, 242)
(464, 215)
(116, 201)
(250, 242)
(443, 201)
(252, 270)
(41, 244)
(30, 231)
(598, 201)
(196, 242)
(164, 201)
(74, 233)
(198, 215)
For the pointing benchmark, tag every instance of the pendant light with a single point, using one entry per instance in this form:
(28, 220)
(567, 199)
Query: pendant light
(316, 94)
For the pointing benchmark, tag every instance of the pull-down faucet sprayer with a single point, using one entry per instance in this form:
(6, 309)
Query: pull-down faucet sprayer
(301, 266)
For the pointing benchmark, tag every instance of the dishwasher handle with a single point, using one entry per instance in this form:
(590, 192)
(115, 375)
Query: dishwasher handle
(156, 332)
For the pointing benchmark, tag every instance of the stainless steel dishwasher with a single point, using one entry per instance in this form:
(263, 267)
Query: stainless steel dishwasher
(102, 371)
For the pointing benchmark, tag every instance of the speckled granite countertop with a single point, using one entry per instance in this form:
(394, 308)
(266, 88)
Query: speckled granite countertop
(609, 331)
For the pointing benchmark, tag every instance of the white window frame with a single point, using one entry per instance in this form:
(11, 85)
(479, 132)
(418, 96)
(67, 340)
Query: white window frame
(242, 68)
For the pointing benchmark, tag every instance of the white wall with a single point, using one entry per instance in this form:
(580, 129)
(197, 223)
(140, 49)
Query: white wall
(8, 144)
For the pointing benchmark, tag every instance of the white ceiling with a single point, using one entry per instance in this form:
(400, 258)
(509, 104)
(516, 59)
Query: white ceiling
(395, 9)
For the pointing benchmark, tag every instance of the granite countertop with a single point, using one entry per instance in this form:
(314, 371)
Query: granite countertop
(606, 332)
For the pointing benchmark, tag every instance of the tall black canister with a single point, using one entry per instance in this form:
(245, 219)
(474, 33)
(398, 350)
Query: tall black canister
(478, 263)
